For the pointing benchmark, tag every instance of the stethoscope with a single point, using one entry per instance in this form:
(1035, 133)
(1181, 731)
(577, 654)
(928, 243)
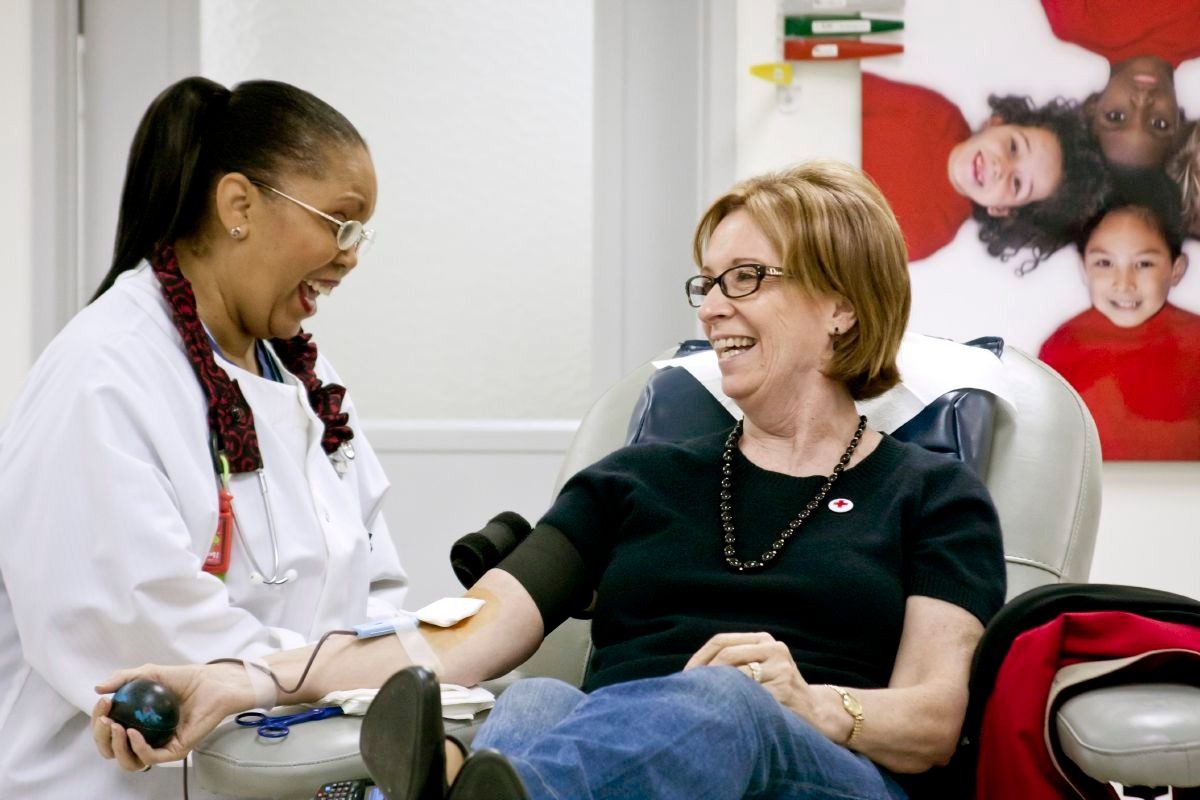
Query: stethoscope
(341, 459)
(257, 573)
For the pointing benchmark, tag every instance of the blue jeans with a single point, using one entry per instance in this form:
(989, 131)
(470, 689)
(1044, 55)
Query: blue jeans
(705, 733)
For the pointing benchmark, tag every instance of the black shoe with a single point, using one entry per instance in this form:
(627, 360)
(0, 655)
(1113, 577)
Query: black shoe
(487, 775)
(402, 738)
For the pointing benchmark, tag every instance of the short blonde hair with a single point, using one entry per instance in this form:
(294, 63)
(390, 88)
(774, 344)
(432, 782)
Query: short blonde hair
(1184, 168)
(835, 234)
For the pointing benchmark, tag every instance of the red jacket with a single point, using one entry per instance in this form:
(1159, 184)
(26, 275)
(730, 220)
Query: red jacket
(1120, 29)
(1013, 761)
(907, 134)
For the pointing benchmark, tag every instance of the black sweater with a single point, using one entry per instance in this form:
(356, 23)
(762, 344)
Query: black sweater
(645, 527)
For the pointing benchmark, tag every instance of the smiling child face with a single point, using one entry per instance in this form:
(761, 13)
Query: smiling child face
(1136, 117)
(1005, 166)
(1128, 268)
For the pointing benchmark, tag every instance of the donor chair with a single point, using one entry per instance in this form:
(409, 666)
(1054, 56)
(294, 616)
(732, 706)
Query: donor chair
(1019, 425)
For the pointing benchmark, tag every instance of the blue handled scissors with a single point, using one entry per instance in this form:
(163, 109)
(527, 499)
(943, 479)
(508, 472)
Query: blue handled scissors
(277, 727)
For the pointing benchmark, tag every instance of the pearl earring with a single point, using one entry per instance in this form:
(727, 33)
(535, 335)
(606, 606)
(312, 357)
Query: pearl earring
(236, 232)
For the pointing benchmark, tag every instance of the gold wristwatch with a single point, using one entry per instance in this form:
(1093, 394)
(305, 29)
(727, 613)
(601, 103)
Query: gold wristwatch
(853, 708)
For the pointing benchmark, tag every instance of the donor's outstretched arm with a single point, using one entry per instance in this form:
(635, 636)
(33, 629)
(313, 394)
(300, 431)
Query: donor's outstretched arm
(503, 634)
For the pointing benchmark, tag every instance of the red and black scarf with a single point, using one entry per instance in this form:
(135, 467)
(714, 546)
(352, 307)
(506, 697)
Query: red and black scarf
(230, 418)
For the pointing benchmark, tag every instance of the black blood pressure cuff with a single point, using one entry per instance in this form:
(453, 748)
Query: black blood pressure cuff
(553, 572)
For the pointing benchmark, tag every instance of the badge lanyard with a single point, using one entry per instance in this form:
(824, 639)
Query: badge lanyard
(217, 561)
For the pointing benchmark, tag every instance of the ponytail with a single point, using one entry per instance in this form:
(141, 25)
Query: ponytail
(168, 176)
(184, 143)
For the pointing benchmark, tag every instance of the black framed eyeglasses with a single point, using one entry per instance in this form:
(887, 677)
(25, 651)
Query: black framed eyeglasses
(735, 282)
(350, 233)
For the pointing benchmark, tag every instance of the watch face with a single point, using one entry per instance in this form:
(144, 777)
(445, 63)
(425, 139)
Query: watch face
(851, 704)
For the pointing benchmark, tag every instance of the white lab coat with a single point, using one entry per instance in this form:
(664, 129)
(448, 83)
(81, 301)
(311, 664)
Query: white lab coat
(108, 502)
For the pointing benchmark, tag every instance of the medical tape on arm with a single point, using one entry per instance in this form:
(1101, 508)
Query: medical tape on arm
(408, 631)
(266, 693)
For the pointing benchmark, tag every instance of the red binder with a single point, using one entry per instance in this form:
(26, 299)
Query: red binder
(835, 49)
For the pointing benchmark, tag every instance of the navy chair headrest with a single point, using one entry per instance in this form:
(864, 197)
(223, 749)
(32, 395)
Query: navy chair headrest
(674, 407)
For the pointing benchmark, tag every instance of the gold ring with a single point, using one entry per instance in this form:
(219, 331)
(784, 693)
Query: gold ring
(755, 671)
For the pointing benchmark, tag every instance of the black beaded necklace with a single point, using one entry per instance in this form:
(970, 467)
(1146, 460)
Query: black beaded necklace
(726, 506)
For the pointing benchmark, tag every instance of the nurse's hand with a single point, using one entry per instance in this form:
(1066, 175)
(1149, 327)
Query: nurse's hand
(207, 694)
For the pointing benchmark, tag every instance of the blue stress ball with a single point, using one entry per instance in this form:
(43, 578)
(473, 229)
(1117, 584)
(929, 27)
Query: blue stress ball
(148, 707)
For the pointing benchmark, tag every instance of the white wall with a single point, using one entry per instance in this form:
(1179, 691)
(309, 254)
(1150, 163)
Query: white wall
(1150, 524)
(450, 479)
(816, 116)
(132, 50)
(16, 195)
(479, 118)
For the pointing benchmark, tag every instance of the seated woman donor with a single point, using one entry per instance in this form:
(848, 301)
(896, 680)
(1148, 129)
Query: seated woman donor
(190, 354)
(790, 603)
(1028, 175)
(1134, 357)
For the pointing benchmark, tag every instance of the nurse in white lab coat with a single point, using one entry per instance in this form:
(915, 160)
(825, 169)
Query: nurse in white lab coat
(239, 210)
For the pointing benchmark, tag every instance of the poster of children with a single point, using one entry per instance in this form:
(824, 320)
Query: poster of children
(1041, 160)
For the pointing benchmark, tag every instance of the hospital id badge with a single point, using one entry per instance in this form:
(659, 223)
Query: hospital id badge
(217, 560)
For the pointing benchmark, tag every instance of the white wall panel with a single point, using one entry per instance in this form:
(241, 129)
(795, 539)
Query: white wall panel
(132, 51)
(450, 479)
(16, 194)
(479, 117)
(663, 150)
(1150, 526)
(813, 120)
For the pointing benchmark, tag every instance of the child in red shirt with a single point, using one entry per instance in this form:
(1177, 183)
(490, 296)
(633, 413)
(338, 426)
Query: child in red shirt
(1119, 29)
(1028, 175)
(1136, 116)
(1134, 357)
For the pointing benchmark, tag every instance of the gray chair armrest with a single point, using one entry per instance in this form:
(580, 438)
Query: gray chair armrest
(1136, 735)
(233, 760)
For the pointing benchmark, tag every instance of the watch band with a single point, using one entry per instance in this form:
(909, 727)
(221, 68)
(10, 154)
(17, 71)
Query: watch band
(853, 708)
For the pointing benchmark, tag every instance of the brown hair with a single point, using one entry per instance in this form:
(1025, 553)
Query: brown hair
(835, 234)
(1184, 169)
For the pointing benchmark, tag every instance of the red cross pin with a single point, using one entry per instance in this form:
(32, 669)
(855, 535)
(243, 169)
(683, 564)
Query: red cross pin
(840, 505)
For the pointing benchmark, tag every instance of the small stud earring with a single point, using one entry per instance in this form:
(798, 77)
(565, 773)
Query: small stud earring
(837, 331)
(236, 232)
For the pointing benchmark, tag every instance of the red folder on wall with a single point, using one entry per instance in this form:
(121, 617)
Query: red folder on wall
(835, 49)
